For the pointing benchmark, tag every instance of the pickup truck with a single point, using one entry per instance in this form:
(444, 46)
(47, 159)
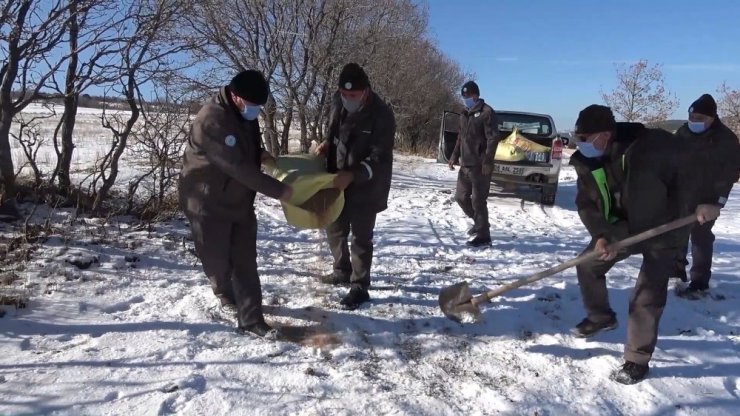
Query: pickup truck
(539, 169)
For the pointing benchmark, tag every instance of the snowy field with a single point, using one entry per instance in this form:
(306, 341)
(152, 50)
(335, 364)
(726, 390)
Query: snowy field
(122, 323)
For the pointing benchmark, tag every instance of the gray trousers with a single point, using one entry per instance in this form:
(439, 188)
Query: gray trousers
(702, 249)
(471, 194)
(228, 252)
(357, 264)
(647, 301)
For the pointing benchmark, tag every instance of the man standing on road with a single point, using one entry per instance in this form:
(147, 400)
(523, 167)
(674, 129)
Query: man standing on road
(629, 180)
(218, 183)
(359, 149)
(715, 153)
(475, 151)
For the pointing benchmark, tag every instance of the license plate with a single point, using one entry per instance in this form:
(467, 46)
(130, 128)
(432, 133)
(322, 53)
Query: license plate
(508, 170)
(536, 156)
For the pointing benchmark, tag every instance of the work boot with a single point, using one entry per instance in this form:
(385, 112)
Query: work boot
(335, 278)
(630, 373)
(357, 296)
(694, 291)
(679, 274)
(479, 242)
(262, 330)
(588, 328)
(229, 309)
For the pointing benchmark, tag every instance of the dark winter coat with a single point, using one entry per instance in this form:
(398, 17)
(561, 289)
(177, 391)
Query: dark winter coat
(646, 186)
(478, 138)
(221, 165)
(368, 136)
(715, 161)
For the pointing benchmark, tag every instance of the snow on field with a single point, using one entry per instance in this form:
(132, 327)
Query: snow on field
(92, 141)
(123, 323)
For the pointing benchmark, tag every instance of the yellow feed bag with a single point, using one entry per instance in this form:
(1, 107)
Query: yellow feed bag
(507, 152)
(514, 147)
(315, 203)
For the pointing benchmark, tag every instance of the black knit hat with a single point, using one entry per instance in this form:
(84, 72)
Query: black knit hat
(470, 87)
(595, 118)
(250, 85)
(704, 105)
(353, 78)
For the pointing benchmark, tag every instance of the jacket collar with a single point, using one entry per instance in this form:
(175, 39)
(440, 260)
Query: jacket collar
(224, 99)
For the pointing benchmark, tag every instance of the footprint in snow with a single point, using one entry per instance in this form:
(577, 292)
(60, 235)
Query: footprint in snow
(123, 306)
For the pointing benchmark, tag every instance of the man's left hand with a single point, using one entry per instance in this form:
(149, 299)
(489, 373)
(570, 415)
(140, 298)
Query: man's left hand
(487, 170)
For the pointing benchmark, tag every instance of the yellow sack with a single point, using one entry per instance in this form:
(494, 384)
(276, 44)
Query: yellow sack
(524, 144)
(507, 152)
(315, 203)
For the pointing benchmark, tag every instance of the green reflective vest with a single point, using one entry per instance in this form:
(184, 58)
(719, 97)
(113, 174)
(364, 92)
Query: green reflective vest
(606, 196)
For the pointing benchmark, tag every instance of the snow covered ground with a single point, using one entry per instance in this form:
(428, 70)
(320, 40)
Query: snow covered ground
(122, 321)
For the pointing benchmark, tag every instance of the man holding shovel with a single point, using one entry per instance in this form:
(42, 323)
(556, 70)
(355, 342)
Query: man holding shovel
(359, 149)
(629, 180)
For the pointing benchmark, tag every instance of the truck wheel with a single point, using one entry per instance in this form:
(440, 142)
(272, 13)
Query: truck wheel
(548, 195)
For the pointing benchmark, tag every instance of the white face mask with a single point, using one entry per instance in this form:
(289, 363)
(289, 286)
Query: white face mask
(353, 106)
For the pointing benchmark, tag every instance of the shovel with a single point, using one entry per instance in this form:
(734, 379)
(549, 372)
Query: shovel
(458, 303)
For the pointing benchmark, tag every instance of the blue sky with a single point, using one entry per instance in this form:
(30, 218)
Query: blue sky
(557, 56)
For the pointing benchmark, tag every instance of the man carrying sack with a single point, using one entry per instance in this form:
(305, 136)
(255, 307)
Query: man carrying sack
(219, 180)
(359, 149)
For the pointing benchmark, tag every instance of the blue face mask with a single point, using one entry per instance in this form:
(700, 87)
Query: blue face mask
(697, 126)
(469, 102)
(589, 150)
(251, 112)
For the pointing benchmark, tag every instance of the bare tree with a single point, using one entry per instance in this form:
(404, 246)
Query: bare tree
(729, 107)
(30, 32)
(93, 27)
(31, 140)
(159, 141)
(253, 34)
(301, 45)
(640, 94)
(148, 51)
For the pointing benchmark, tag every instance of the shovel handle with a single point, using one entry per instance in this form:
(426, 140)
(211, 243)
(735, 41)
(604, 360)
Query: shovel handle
(673, 225)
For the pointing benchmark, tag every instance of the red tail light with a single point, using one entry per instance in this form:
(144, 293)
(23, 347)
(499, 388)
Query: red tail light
(557, 149)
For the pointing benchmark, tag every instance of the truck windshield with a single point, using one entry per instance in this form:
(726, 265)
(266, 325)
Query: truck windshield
(528, 124)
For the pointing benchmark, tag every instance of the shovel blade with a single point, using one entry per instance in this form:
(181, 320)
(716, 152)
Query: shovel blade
(456, 303)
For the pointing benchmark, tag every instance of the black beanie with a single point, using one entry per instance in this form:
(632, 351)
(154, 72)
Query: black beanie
(470, 87)
(595, 118)
(704, 105)
(353, 78)
(250, 85)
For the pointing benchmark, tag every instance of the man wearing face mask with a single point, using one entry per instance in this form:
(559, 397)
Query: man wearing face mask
(715, 153)
(475, 151)
(359, 149)
(218, 184)
(630, 179)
